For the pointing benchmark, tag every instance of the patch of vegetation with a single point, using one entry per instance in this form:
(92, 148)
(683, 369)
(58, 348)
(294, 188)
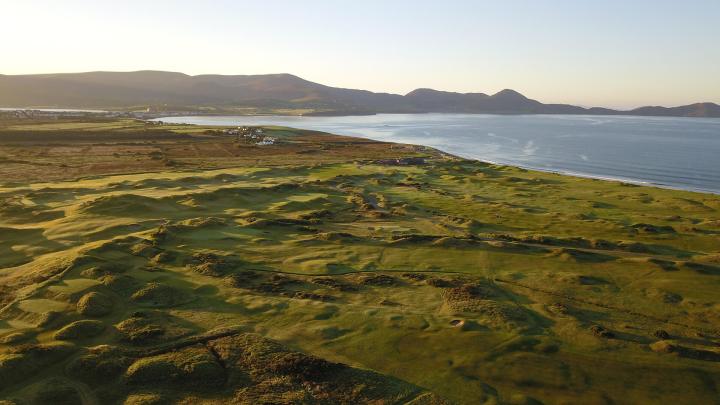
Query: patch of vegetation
(80, 330)
(194, 367)
(54, 391)
(24, 361)
(100, 365)
(94, 304)
(160, 295)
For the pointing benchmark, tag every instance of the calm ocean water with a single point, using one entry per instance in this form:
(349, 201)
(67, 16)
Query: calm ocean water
(673, 152)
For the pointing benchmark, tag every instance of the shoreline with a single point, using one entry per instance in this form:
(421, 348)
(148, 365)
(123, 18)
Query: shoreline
(562, 172)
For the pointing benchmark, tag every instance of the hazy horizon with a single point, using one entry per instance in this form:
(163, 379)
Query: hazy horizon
(613, 54)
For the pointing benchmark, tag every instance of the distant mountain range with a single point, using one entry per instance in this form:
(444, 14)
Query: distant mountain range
(169, 91)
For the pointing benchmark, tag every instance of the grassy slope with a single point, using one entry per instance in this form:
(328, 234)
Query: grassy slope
(32, 151)
(496, 278)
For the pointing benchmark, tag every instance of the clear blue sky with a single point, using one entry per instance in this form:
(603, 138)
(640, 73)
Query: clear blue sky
(607, 53)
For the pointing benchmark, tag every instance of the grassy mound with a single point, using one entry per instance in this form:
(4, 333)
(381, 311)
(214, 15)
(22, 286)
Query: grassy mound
(121, 284)
(130, 205)
(99, 365)
(211, 265)
(147, 328)
(145, 399)
(650, 228)
(102, 270)
(24, 361)
(667, 265)
(238, 367)
(194, 367)
(145, 249)
(80, 330)
(380, 280)
(164, 257)
(279, 375)
(580, 256)
(452, 242)
(136, 330)
(486, 302)
(94, 304)
(160, 295)
(336, 237)
(205, 222)
(668, 347)
(54, 391)
(335, 284)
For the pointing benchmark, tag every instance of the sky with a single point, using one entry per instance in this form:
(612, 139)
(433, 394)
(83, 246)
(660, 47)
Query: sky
(608, 53)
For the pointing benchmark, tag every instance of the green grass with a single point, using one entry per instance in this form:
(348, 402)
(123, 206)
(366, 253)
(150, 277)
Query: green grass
(494, 277)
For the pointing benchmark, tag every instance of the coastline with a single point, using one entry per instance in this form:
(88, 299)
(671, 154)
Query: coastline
(561, 172)
(564, 172)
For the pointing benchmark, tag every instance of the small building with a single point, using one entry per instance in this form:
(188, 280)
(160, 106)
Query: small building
(268, 140)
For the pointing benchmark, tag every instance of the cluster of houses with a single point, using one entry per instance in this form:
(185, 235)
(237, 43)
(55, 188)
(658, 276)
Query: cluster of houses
(252, 134)
(26, 113)
(29, 113)
(56, 113)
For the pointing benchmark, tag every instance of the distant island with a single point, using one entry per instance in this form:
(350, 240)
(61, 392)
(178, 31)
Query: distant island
(276, 94)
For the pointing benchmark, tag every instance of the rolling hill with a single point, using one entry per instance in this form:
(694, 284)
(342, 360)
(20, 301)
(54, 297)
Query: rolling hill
(178, 91)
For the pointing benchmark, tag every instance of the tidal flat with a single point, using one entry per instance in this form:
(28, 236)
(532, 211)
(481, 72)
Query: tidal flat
(147, 263)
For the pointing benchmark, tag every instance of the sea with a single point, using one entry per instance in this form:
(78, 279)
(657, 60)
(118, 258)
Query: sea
(682, 153)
